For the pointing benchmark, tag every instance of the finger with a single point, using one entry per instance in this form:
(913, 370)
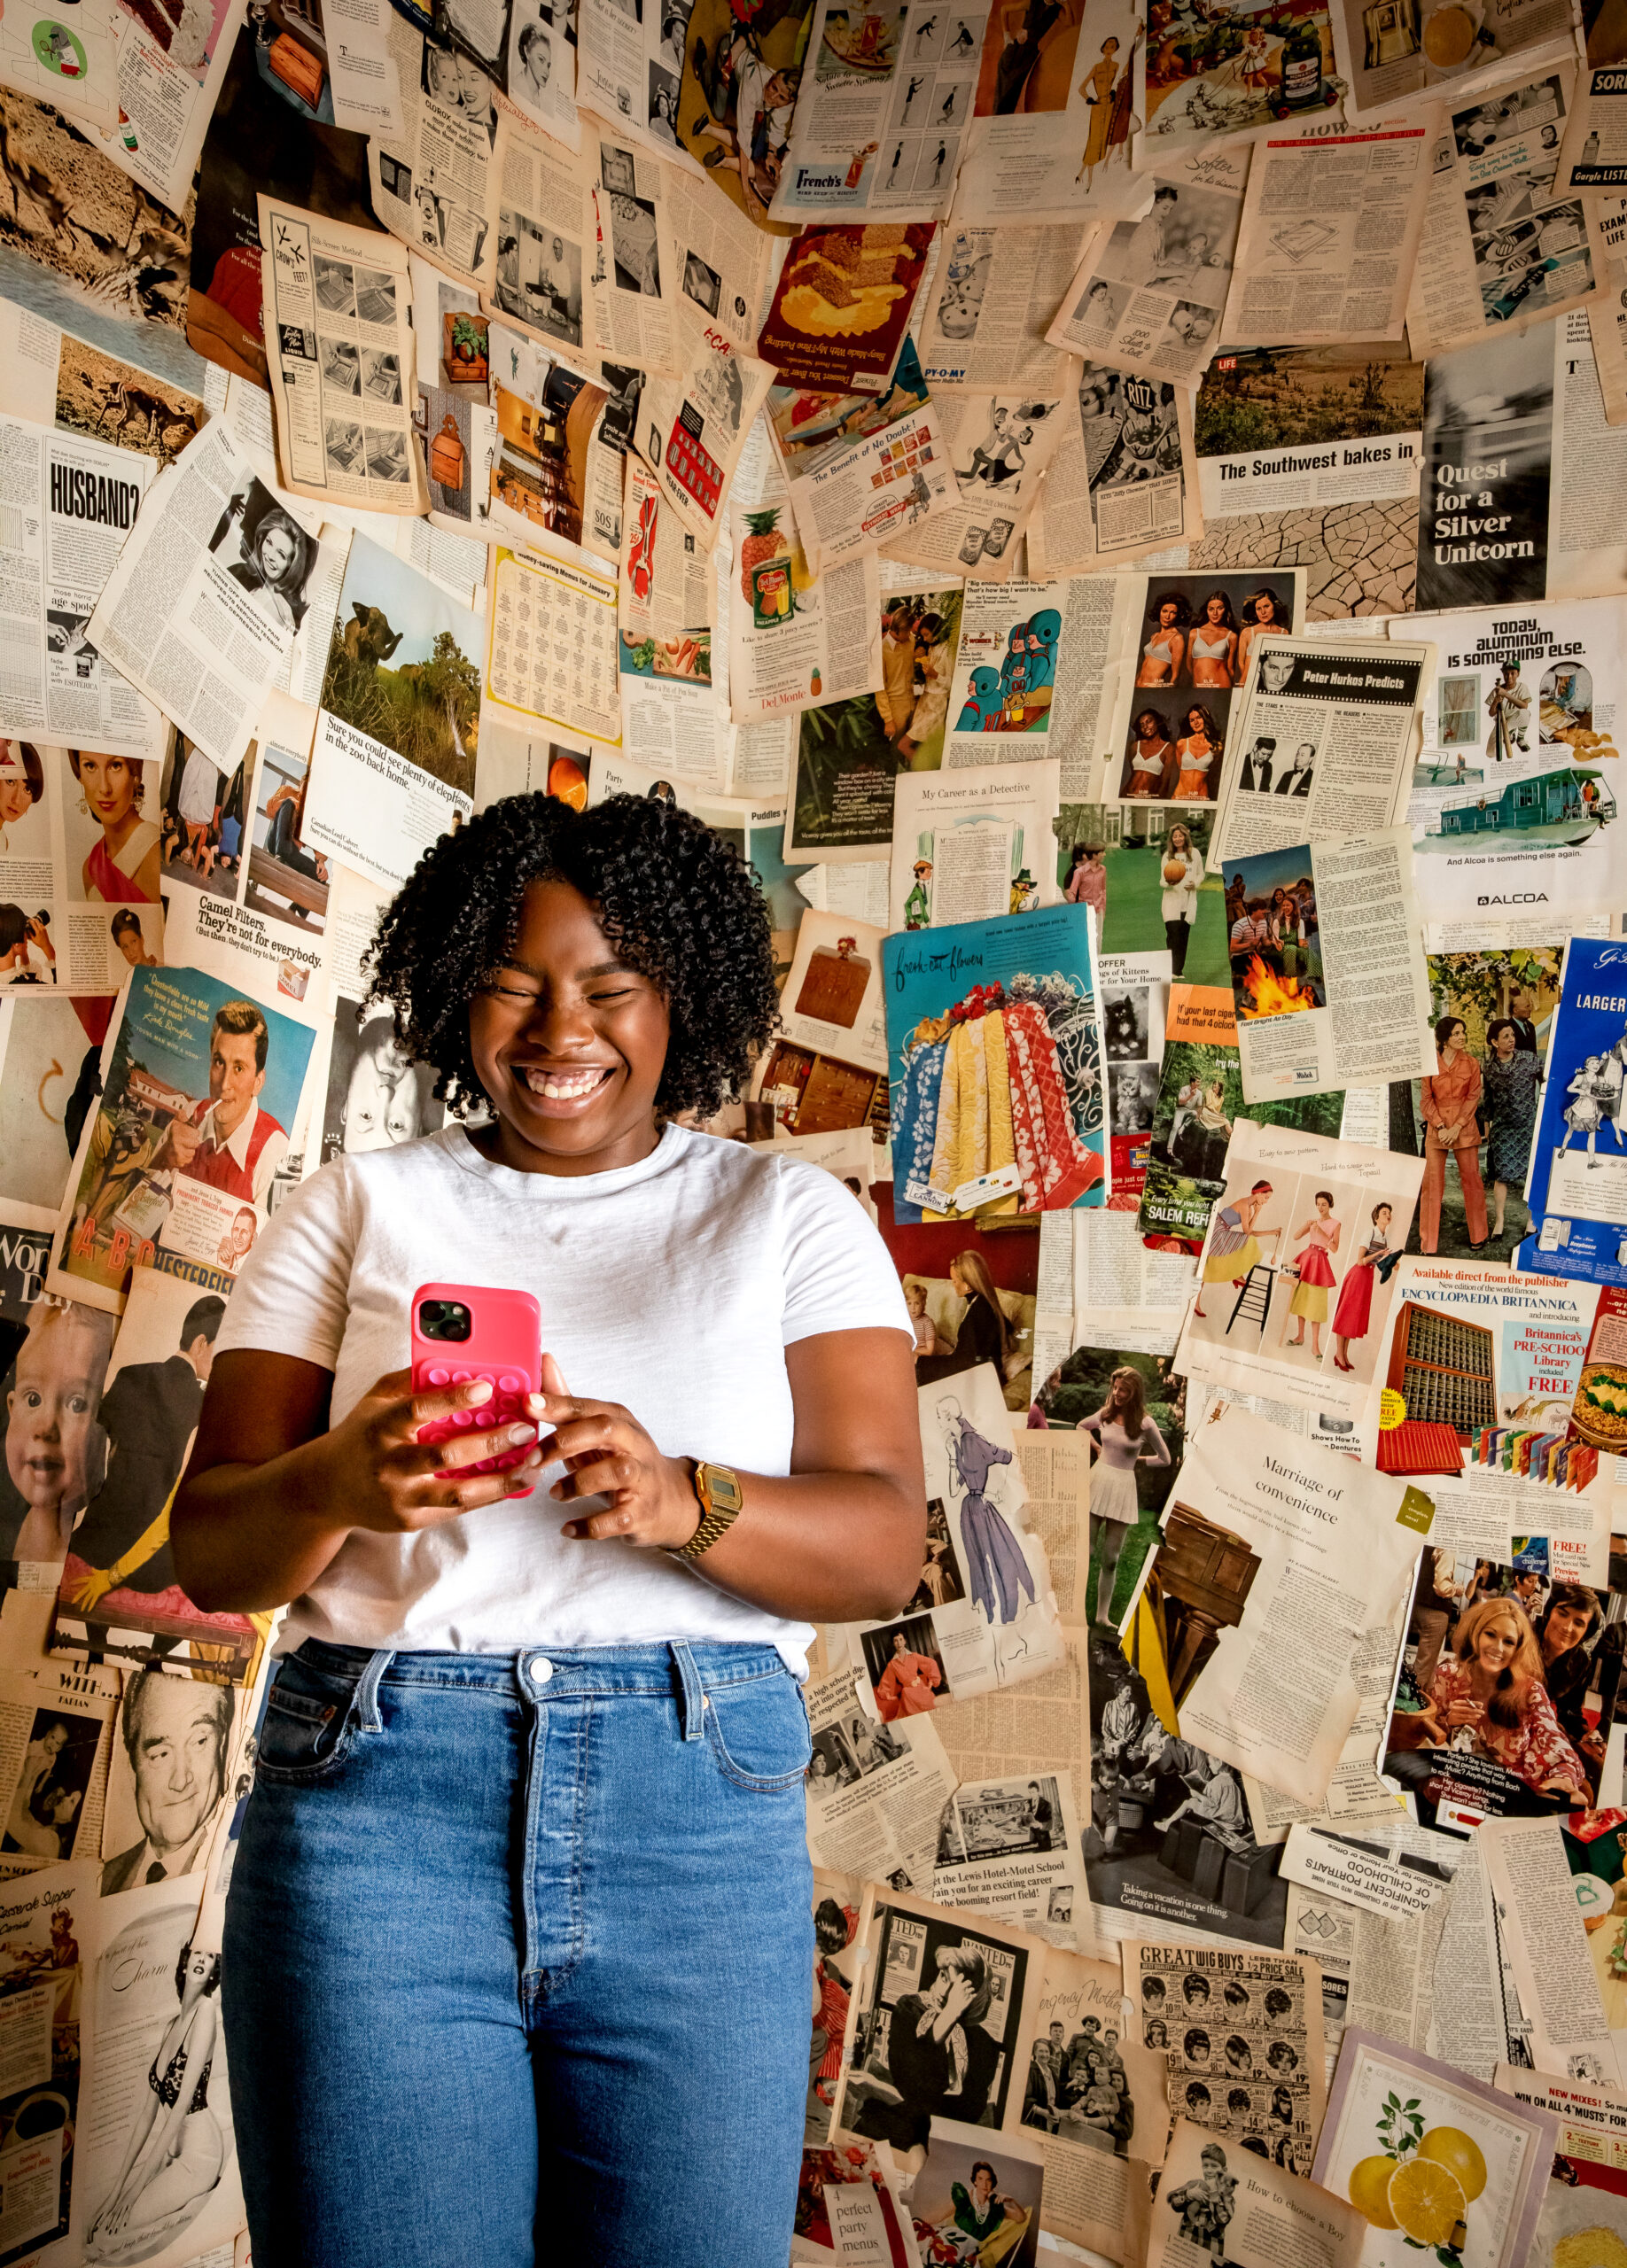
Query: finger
(551, 1377)
(564, 1409)
(584, 1438)
(458, 1451)
(437, 1404)
(605, 1476)
(620, 1524)
(444, 1499)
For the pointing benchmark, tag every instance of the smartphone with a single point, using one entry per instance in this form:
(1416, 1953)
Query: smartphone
(462, 1332)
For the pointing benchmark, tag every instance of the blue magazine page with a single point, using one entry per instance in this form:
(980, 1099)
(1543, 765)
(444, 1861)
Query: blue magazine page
(1577, 1194)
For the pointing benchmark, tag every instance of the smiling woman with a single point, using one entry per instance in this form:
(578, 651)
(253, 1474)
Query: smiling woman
(525, 1778)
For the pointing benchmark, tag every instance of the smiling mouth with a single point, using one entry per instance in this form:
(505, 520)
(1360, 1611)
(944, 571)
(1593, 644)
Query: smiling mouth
(565, 1086)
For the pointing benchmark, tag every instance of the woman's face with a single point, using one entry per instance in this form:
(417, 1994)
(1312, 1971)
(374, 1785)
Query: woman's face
(15, 799)
(1505, 1043)
(1457, 1036)
(1382, 1217)
(1195, 720)
(569, 1042)
(983, 2184)
(276, 551)
(958, 1280)
(198, 1968)
(1323, 1207)
(132, 945)
(1146, 724)
(1179, 840)
(1167, 613)
(109, 785)
(1497, 1645)
(1265, 611)
(1567, 1626)
(1215, 607)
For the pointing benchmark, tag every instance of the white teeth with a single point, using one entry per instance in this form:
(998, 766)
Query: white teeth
(564, 1086)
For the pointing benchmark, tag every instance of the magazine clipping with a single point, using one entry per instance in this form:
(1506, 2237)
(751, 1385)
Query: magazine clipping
(206, 624)
(170, 84)
(1095, 2101)
(79, 870)
(991, 1621)
(56, 1742)
(994, 295)
(666, 579)
(1242, 2035)
(723, 261)
(862, 467)
(1245, 75)
(1015, 1002)
(1585, 2197)
(399, 705)
(1010, 1849)
(545, 231)
(796, 639)
(842, 303)
(1265, 2215)
(561, 442)
(1409, 2141)
(47, 2030)
(1123, 482)
(881, 112)
(1594, 156)
(691, 428)
(1502, 246)
(628, 67)
(79, 80)
(201, 1089)
(431, 184)
(338, 311)
(1548, 1946)
(1606, 313)
(1378, 1967)
(999, 446)
(1016, 659)
(1576, 1188)
(1390, 56)
(1051, 126)
(916, 1956)
(1310, 1553)
(632, 285)
(1297, 914)
(1511, 802)
(1149, 291)
(1313, 455)
(971, 845)
(876, 1791)
(1330, 233)
(83, 498)
(849, 2204)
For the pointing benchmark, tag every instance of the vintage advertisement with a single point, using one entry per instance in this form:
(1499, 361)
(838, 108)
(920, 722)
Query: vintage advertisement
(1148, 292)
(545, 235)
(431, 184)
(1482, 1417)
(876, 1792)
(171, 77)
(994, 300)
(881, 112)
(1094, 2100)
(991, 1618)
(833, 995)
(628, 64)
(1279, 1557)
(940, 1992)
(1122, 484)
(338, 318)
(1328, 969)
(796, 639)
(1393, 54)
(1243, 73)
(851, 754)
(666, 579)
(1312, 454)
(44, 2023)
(71, 503)
(1007, 672)
(399, 708)
(632, 285)
(1329, 236)
(975, 1007)
(1585, 2198)
(723, 263)
(1511, 801)
(1310, 1228)
(1322, 743)
(551, 657)
(691, 428)
(840, 309)
(79, 861)
(57, 1731)
(1607, 312)
(862, 467)
(201, 1090)
(1010, 1849)
(1242, 2032)
(1051, 124)
(561, 441)
(1548, 1940)
(76, 70)
(1264, 2216)
(1502, 247)
(208, 594)
(999, 446)
(1576, 1189)
(971, 845)
(1422, 2151)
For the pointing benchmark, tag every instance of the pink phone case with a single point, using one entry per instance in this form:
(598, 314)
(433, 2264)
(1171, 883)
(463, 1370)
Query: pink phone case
(504, 1345)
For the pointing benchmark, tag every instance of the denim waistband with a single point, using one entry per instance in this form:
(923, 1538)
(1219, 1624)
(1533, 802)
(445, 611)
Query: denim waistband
(659, 1668)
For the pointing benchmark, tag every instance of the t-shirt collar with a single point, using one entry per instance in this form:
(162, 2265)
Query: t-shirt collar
(550, 1188)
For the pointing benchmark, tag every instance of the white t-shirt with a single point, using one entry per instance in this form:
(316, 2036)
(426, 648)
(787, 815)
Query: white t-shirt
(672, 1286)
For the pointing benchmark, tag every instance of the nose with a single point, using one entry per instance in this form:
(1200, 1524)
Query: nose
(559, 1024)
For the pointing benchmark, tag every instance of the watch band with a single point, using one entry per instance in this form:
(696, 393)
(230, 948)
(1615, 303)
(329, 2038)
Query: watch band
(719, 1493)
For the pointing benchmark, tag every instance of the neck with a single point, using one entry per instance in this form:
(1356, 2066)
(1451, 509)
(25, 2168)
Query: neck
(117, 832)
(503, 1146)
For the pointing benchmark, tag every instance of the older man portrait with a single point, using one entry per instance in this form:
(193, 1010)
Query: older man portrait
(177, 1732)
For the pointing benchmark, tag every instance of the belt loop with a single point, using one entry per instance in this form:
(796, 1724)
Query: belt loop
(691, 1700)
(366, 1705)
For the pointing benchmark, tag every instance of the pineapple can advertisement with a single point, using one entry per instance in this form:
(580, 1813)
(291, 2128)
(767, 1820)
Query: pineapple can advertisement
(782, 654)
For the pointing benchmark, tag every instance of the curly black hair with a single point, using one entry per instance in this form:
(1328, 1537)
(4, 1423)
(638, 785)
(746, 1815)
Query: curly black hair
(676, 900)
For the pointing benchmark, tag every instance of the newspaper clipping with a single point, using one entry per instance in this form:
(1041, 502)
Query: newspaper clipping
(632, 286)
(862, 468)
(796, 639)
(999, 447)
(1265, 2215)
(1391, 56)
(1242, 2032)
(1123, 482)
(431, 183)
(968, 844)
(995, 297)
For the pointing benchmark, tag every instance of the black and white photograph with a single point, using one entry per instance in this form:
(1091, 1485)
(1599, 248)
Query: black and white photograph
(335, 285)
(1132, 428)
(388, 455)
(458, 83)
(1133, 1096)
(53, 1780)
(701, 283)
(630, 224)
(999, 1820)
(540, 278)
(375, 296)
(342, 440)
(1126, 1011)
(662, 107)
(170, 1775)
(374, 1096)
(341, 365)
(381, 375)
(65, 636)
(1184, 242)
(266, 552)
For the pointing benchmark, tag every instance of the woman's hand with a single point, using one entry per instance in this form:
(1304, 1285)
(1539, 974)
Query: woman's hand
(608, 1453)
(1464, 1713)
(389, 1481)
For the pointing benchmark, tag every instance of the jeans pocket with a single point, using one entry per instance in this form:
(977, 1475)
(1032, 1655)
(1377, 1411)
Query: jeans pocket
(758, 1732)
(309, 1724)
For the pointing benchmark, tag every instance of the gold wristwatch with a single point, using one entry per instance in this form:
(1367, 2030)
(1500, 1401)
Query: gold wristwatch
(721, 1498)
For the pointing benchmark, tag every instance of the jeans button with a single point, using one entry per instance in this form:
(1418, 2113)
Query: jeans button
(541, 1669)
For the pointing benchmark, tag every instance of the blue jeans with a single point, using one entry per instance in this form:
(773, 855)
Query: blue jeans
(519, 1960)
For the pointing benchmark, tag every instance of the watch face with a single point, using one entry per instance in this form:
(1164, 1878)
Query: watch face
(723, 1488)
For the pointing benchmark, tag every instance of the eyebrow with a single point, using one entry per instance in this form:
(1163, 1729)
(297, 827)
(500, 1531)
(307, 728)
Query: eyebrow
(599, 968)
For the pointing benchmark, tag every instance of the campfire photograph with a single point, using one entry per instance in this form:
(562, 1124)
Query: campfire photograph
(1273, 935)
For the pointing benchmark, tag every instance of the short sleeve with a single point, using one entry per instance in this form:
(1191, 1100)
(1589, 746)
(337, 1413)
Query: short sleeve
(839, 1274)
(292, 1293)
